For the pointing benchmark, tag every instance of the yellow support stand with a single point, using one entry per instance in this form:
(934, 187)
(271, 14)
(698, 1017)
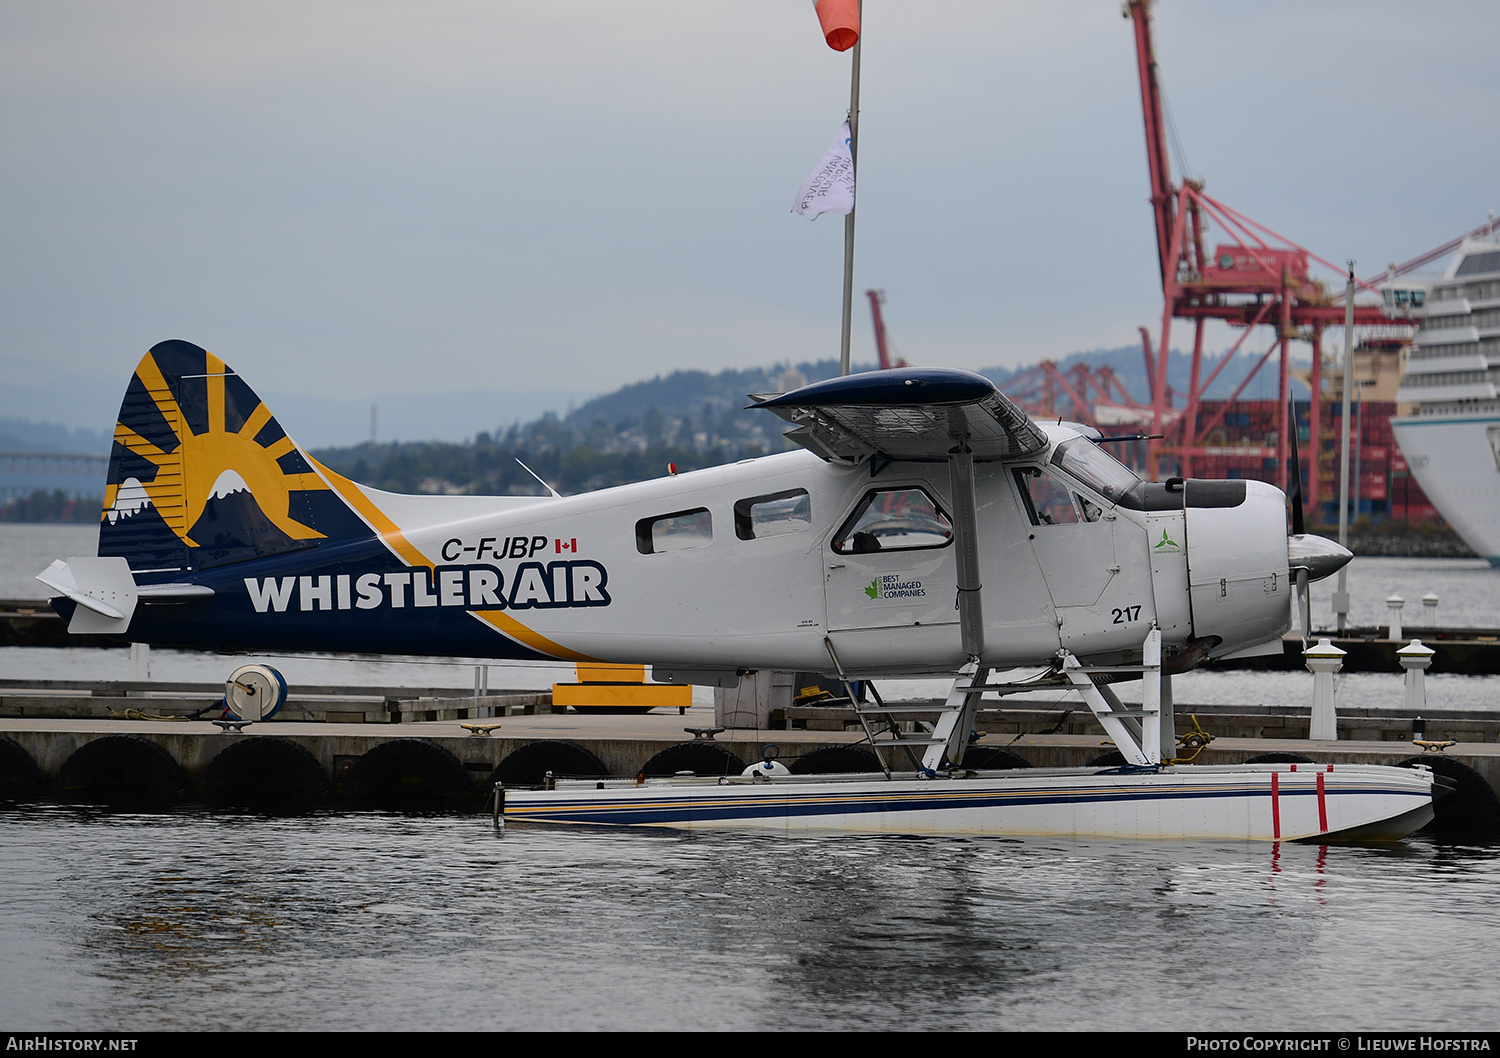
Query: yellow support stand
(619, 688)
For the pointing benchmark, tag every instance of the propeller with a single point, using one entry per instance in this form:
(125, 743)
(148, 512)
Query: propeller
(1309, 557)
(1299, 526)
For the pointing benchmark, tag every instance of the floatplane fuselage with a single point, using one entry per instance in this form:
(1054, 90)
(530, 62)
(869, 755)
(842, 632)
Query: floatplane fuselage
(924, 526)
(235, 538)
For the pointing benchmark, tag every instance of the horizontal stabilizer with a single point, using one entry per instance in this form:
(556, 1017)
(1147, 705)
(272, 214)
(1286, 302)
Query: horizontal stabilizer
(173, 594)
(906, 413)
(103, 588)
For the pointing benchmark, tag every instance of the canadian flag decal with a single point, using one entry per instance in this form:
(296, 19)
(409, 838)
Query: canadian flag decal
(565, 545)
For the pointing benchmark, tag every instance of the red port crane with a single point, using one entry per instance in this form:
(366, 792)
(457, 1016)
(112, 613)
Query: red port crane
(1257, 277)
(1093, 396)
(877, 298)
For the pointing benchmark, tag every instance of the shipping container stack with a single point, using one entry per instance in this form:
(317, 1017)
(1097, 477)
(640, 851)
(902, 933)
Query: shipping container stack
(1243, 445)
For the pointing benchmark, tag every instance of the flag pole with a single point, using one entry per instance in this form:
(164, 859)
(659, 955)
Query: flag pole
(849, 217)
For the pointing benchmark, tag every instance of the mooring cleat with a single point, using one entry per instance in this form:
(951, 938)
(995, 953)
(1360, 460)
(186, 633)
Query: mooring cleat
(482, 730)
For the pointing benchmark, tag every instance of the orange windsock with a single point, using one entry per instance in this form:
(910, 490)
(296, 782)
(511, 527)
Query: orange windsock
(840, 21)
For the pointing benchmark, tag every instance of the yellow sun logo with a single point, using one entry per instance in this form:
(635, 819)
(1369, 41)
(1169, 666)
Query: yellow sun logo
(208, 436)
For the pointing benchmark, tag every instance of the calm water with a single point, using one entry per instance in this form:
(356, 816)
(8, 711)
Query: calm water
(201, 921)
(195, 920)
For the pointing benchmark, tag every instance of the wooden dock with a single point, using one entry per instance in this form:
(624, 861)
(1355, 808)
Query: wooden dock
(296, 765)
(1457, 651)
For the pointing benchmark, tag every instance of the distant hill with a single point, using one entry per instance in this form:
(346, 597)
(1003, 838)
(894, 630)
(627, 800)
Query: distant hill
(686, 393)
(317, 420)
(690, 418)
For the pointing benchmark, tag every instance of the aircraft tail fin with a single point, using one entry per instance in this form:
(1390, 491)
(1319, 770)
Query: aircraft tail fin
(201, 473)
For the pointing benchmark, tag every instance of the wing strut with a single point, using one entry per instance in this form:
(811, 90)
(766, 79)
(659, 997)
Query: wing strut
(1144, 736)
(1137, 733)
(966, 529)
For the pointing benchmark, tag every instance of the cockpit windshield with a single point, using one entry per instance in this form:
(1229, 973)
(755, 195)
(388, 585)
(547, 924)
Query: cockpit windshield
(1095, 467)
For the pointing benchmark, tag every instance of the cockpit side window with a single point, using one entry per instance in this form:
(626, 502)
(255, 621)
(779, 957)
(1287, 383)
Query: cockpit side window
(1048, 501)
(1096, 468)
(894, 520)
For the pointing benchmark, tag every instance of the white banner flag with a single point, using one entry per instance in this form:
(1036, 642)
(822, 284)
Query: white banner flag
(830, 188)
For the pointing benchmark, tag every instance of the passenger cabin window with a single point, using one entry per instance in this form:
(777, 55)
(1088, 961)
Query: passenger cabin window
(894, 520)
(773, 515)
(674, 532)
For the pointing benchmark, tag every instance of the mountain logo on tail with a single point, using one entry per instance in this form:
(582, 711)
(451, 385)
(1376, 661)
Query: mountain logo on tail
(202, 474)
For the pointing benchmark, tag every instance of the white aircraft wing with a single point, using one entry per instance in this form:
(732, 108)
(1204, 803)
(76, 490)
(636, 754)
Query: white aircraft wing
(905, 413)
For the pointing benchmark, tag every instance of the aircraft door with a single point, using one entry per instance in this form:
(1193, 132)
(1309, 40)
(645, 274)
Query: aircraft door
(891, 566)
(1094, 563)
(1019, 619)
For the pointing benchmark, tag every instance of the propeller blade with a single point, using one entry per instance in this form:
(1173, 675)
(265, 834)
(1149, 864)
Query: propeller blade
(1294, 493)
(1304, 605)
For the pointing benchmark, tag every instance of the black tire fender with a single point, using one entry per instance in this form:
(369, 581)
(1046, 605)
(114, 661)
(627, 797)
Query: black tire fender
(993, 758)
(835, 760)
(529, 765)
(123, 771)
(1471, 810)
(700, 758)
(1280, 757)
(267, 774)
(410, 773)
(20, 778)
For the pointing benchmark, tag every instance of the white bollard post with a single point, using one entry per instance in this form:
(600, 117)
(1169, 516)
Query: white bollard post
(1323, 660)
(1429, 609)
(1394, 603)
(140, 661)
(1415, 659)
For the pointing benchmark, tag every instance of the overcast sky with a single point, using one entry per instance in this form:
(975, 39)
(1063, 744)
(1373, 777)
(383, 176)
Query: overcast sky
(355, 198)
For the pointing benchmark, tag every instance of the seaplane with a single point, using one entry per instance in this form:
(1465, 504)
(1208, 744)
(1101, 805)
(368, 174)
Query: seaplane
(922, 525)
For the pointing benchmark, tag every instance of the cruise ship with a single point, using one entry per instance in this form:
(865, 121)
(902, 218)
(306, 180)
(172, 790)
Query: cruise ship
(1452, 440)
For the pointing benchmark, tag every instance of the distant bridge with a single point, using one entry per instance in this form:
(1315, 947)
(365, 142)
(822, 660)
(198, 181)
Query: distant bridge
(33, 464)
(52, 463)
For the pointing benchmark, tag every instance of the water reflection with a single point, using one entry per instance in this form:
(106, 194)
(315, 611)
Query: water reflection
(197, 920)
